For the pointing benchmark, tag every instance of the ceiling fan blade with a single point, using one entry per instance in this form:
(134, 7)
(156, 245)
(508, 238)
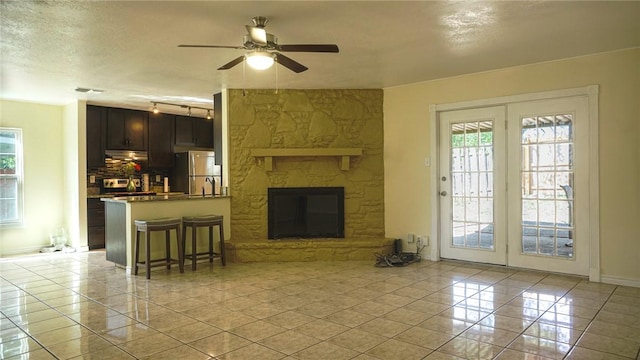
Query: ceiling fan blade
(329, 48)
(212, 46)
(232, 63)
(258, 35)
(290, 63)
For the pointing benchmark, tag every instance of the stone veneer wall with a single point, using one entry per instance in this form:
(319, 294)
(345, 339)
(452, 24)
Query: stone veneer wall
(306, 119)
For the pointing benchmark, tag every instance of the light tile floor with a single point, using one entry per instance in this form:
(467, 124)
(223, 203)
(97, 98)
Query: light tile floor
(79, 306)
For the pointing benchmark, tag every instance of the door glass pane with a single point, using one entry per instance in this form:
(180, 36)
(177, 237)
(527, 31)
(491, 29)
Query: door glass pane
(472, 184)
(547, 185)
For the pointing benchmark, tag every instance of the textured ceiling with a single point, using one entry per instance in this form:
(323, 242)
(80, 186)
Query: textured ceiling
(129, 48)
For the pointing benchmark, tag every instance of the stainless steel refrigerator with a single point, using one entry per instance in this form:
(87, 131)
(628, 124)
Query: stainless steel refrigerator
(196, 173)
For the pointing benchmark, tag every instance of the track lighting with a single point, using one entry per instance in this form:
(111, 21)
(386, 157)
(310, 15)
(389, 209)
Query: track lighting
(155, 109)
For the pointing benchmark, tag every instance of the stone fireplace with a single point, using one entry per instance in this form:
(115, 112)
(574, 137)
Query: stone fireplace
(313, 122)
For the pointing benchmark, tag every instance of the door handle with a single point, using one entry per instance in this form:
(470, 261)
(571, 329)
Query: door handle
(443, 193)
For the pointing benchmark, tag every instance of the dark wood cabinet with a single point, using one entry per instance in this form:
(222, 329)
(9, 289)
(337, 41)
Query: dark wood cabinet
(96, 125)
(161, 140)
(194, 131)
(95, 223)
(126, 129)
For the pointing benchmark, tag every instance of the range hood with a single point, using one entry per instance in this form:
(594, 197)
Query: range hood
(126, 155)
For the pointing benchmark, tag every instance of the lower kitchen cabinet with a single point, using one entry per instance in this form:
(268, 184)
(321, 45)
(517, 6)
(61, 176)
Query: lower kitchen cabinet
(95, 223)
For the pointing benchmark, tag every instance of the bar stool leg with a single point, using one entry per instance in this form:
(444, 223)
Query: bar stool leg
(194, 255)
(167, 239)
(184, 241)
(137, 253)
(148, 253)
(180, 250)
(210, 244)
(222, 256)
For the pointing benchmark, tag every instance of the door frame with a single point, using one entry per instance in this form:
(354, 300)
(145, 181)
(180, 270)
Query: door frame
(591, 92)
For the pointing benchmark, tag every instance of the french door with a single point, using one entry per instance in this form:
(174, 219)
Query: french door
(472, 185)
(514, 185)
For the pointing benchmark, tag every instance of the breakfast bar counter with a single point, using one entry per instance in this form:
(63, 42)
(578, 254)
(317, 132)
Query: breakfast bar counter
(121, 213)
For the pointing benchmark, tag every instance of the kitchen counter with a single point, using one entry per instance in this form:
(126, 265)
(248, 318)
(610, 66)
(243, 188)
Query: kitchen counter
(158, 197)
(121, 213)
(100, 196)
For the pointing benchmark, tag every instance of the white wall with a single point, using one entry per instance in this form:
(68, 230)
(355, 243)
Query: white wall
(43, 171)
(75, 170)
(406, 129)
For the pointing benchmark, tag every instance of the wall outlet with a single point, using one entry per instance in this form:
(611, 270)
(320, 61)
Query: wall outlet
(411, 238)
(92, 179)
(158, 178)
(422, 240)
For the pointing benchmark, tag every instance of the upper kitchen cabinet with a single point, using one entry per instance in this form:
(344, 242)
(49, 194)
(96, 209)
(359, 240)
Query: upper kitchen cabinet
(96, 125)
(126, 129)
(194, 131)
(161, 140)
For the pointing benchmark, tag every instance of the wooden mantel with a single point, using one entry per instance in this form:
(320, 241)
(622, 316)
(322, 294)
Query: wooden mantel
(342, 153)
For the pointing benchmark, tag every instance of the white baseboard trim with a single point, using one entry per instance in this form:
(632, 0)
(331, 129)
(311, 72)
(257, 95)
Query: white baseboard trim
(31, 250)
(35, 250)
(616, 280)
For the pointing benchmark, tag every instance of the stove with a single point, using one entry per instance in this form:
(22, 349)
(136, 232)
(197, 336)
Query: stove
(118, 187)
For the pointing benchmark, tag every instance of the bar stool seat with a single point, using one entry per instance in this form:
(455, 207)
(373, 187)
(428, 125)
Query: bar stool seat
(194, 222)
(166, 225)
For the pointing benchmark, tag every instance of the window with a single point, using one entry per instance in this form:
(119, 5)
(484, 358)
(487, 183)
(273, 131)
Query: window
(10, 176)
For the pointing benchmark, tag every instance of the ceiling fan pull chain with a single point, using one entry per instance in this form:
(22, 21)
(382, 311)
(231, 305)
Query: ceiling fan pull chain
(244, 76)
(276, 59)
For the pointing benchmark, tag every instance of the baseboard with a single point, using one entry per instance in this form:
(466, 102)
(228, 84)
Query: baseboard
(616, 280)
(22, 251)
(35, 250)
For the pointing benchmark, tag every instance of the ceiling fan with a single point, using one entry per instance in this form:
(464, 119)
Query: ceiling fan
(264, 49)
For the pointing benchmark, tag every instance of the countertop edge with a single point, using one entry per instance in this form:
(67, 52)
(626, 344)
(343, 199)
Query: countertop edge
(150, 198)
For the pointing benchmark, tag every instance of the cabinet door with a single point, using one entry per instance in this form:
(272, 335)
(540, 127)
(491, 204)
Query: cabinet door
(135, 129)
(115, 129)
(184, 130)
(203, 132)
(161, 140)
(126, 129)
(96, 123)
(95, 223)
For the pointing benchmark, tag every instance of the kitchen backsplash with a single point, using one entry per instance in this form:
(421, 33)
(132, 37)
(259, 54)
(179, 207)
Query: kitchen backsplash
(112, 169)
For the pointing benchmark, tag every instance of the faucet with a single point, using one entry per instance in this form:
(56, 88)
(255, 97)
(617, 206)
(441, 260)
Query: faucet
(212, 180)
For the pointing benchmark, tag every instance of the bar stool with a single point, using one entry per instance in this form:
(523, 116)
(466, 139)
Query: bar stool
(166, 225)
(194, 222)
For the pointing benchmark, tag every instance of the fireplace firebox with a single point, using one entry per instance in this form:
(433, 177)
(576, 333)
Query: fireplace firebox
(306, 212)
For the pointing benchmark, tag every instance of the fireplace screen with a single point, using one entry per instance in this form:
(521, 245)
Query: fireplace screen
(309, 212)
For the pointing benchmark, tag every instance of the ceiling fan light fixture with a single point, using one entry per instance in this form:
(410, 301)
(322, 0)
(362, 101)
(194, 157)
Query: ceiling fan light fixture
(260, 60)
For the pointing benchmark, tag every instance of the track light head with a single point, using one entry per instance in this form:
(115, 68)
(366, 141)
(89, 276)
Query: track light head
(155, 109)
